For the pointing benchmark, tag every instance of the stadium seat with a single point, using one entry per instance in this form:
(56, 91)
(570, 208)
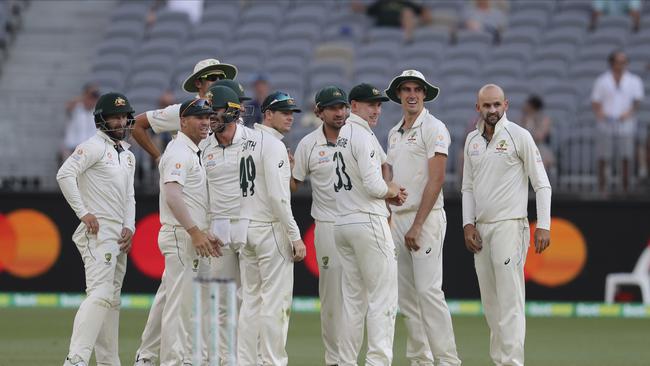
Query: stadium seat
(471, 38)
(640, 277)
(216, 30)
(152, 79)
(296, 47)
(546, 6)
(371, 65)
(528, 18)
(115, 46)
(119, 62)
(524, 35)
(616, 23)
(547, 69)
(261, 30)
(314, 13)
(395, 35)
(262, 12)
(384, 49)
(160, 46)
(507, 68)
(556, 51)
(575, 19)
(253, 47)
(300, 30)
(289, 63)
(431, 34)
(129, 28)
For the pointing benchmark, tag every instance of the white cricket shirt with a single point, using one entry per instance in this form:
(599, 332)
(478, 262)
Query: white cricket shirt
(181, 163)
(358, 184)
(264, 180)
(221, 164)
(313, 158)
(409, 151)
(617, 99)
(167, 119)
(495, 176)
(96, 179)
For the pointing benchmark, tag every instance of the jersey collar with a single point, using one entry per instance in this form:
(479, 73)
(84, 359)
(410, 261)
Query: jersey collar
(181, 137)
(418, 121)
(501, 124)
(356, 119)
(125, 145)
(271, 130)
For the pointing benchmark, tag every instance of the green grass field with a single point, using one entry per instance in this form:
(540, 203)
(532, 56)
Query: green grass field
(38, 337)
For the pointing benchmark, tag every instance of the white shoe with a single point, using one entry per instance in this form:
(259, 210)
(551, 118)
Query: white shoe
(74, 361)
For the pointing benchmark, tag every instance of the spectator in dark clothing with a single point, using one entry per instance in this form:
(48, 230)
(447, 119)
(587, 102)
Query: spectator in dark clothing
(396, 13)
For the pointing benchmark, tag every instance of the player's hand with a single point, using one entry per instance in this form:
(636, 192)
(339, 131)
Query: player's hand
(125, 240)
(473, 241)
(92, 225)
(542, 240)
(216, 244)
(410, 238)
(299, 250)
(201, 243)
(399, 199)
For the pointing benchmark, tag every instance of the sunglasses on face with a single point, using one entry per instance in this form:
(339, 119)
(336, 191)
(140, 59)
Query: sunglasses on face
(214, 76)
(281, 97)
(200, 103)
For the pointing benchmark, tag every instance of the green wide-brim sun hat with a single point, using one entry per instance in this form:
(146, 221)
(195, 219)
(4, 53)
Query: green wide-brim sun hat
(430, 93)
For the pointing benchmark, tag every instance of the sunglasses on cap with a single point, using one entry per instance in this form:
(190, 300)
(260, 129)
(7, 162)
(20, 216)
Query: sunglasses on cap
(198, 103)
(281, 97)
(213, 76)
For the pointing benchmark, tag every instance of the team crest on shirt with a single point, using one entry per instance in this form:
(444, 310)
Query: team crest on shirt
(326, 261)
(413, 138)
(108, 257)
(502, 146)
(342, 142)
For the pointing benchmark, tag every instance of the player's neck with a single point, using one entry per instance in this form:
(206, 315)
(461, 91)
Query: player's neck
(409, 119)
(225, 138)
(331, 134)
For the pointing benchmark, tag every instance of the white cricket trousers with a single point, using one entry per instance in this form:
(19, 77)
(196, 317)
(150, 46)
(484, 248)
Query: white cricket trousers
(430, 334)
(150, 340)
(267, 287)
(96, 324)
(181, 266)
(232, 233)
(329, 289)
(368, 257)
(500, 271)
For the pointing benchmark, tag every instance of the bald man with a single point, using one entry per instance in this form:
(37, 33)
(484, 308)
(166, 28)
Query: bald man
(500, 157)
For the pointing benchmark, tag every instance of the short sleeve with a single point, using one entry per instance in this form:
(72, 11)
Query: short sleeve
(437, 139)
(165, 120)
(174, 167)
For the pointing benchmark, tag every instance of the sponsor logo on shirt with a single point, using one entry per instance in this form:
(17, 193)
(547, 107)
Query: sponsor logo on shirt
(326, 260)
(372, 154)
(129, 161)
(176, 172)
(440, 141)
(108, 257)
(195, 265)
(281, 164)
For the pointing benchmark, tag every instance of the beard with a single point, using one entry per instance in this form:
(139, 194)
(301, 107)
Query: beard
(492, 118)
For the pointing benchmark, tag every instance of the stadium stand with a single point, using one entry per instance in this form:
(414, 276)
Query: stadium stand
(547, 49)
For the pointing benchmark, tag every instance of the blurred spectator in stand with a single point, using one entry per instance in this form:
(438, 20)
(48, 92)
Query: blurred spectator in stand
(616, 7)
(309, 119)
(396, 13)
(484, 16)
(193, 9)
(615, 98)
(253, 114)
(539, 125)
(81, 121)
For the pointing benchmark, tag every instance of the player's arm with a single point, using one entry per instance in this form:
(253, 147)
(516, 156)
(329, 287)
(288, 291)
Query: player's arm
(128, 226)
(534, 168)
(370, 171)
(473, 241)
(276, 159)
(141, 135)
(173, 171)
(84, 156)
(300, 169)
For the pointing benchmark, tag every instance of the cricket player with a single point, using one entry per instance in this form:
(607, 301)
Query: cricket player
(365, 245)
(183, 236)
(500, 157)
(221, 153)
(206, 73)
(273, 237)
(417, 153)
(314, 159)
(97, 182)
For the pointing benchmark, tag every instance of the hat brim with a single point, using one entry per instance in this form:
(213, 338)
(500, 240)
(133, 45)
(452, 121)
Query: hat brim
(285, 109)
(378, 98)
(334, 102)
(431, 90)
(229, 70)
